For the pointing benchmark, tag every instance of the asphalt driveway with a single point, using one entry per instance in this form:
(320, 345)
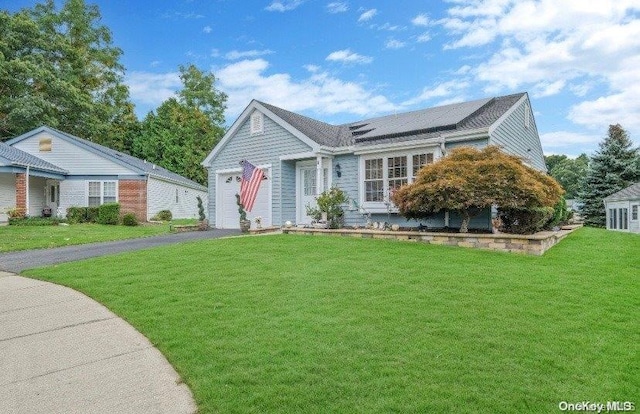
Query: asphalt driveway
(16, 262)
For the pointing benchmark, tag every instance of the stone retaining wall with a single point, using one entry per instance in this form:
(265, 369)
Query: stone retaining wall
(534, 244)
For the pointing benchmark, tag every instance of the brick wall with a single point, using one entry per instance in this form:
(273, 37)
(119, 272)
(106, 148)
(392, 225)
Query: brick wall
(21, 192)
(132, 196)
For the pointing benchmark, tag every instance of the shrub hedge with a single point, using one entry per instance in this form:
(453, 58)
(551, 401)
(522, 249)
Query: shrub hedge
(82, 215)
(35, 221)
(109, 213)
(129, 219)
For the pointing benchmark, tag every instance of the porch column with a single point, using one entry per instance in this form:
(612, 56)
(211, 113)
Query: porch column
(319, 175)
(21, 192)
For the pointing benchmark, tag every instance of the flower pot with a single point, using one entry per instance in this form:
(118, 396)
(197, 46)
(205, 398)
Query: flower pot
(245, 225)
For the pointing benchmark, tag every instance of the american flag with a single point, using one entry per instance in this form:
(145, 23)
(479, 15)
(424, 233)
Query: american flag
(251, 179)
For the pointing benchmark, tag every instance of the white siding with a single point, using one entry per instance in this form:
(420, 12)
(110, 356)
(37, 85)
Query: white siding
(633, 226)
(73, 193)
(37, 196)
(161, 195)
(71, 157)
(7, 194)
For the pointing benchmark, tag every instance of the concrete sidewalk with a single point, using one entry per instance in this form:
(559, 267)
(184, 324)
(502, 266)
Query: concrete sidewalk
(62, 352)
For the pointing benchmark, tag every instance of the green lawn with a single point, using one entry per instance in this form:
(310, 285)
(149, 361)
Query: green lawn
(285, 323)
(40, 237)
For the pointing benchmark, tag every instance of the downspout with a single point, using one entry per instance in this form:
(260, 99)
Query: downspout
(26, 189)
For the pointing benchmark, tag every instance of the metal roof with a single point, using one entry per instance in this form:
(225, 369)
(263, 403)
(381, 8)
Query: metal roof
(407, 126)
(10, 156)
(630, 193)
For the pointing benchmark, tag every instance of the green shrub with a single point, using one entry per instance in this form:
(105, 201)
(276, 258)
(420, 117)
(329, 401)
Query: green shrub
(35, 221)
(82, 215)
(163, 215)
(561, 214)
(201, 214)
(129, 219)
(330, 202)
(109, 213)
(524, 220)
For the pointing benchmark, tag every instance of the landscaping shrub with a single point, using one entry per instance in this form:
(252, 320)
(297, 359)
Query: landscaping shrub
(35, 221)
(109, 213)
(561, 214)
(524, 220)
(330, 202)
(129, 219)
(82, 215)
(163, 215)
(201, 214)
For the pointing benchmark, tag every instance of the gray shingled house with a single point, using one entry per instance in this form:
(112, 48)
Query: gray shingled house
(622, 209)
(367, 159)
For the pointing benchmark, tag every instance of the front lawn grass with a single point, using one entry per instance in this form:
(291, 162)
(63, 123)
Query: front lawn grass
(286, 323)
(14, 238)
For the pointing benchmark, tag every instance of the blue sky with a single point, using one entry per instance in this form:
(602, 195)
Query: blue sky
(340, 61)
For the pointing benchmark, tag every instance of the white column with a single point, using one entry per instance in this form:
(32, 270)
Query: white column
(319, 175)
(26, 196)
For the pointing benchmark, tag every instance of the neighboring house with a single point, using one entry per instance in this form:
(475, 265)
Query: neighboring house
(622, 209)
(47, 168)
(367, 159)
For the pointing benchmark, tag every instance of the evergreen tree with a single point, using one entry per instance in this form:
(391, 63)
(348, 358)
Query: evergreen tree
(614, 166)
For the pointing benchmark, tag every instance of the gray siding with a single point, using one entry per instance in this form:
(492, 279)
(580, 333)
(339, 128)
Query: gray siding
(514, 138)
(161, 196)
(259, 149)
(37, 200)
(477, 143)
(288, 191)
(7, 192)
(348, 182)
(72, 158)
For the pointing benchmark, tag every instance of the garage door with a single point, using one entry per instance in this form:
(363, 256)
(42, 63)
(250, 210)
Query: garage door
(227, 212)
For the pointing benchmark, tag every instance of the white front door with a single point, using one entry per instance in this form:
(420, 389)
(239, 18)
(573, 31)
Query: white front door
(307, 187)
(52, 194)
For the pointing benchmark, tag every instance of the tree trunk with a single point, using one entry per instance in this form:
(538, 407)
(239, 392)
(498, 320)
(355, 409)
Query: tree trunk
(466, 218)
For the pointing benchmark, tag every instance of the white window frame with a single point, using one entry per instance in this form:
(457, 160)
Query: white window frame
(634, 212)
(381, 206)
(101, 184)
(257, 123)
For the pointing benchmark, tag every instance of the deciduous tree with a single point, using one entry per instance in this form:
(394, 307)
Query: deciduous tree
(469, 180)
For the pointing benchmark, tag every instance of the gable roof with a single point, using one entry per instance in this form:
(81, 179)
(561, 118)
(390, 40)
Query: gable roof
(424, 123)
(10, 156)
(630, 193)
(136, 164)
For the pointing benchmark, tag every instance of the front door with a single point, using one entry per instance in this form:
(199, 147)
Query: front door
(52, 193)
(307, 187)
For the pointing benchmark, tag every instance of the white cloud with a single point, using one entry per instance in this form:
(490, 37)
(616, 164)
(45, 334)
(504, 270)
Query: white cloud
(420, 20)
(367, 15)
(236, 54)
(207, 29)
(283, 6)
(424, 37)
(394, 44)
(448, 92)
(152, 88)
(320, 92)
(347, 56)
(565, 139)
(337, 7)
(588, 48)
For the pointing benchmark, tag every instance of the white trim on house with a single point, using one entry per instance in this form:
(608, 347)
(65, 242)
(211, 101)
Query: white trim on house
(102, 191)
(507, 114)
(219, 211)
(383, 206)
(298, 156)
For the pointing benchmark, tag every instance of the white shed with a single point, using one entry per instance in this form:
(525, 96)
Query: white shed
(622, 209)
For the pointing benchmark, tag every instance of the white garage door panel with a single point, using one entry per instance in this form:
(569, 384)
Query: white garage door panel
(228, 216)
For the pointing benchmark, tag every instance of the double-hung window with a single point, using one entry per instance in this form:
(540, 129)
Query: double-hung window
(384, 174)
(101, 192)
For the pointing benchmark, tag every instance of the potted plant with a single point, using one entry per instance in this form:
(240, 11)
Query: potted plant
(245, 224)
(329, 212)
